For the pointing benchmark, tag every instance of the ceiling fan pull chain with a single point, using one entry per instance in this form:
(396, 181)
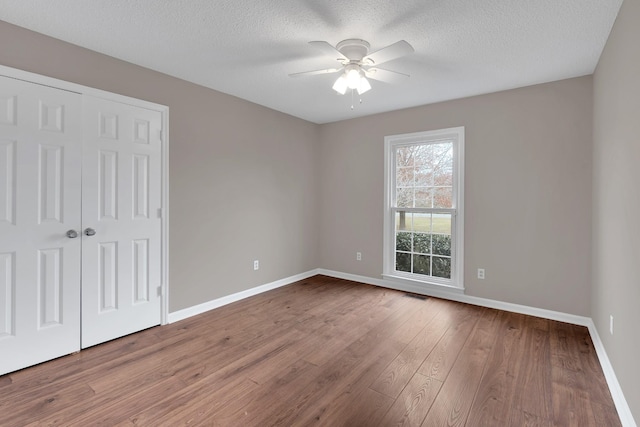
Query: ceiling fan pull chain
(352, 99)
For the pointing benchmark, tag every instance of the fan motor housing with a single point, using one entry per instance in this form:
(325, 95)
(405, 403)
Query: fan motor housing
(354, 49)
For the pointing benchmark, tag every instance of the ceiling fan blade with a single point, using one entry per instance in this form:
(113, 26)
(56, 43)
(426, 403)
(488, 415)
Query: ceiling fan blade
(388, 53)
(329, 50)
(387, 76)
(316, 72)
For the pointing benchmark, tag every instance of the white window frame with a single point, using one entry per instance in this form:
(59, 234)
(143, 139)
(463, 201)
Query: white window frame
(456, 136)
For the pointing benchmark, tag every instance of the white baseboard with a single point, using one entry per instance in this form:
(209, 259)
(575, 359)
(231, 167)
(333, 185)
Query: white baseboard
(468, 299)
(219, 302)
(624, 412)
(626, 418)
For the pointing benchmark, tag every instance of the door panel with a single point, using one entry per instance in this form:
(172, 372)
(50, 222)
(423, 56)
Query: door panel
(120, 201)
(40, 158)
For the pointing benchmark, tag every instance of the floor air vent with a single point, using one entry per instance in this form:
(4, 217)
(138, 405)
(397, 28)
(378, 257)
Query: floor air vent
(422, 297)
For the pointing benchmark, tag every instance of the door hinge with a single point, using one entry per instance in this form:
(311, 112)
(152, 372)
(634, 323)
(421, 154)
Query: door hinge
(159, 212)
(160, 293)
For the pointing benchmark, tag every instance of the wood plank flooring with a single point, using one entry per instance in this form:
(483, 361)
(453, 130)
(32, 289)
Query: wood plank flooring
(325, 352)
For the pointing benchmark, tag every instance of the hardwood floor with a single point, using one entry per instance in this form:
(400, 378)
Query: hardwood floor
(325, 352)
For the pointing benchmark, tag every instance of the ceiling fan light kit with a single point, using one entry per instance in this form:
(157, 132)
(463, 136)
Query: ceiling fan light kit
(357, 63)
(352, 78)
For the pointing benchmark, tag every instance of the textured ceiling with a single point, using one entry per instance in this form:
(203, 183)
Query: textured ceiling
(247, 48)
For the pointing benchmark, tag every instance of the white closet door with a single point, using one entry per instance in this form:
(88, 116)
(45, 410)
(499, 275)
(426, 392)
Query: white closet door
(121, 199)
(40, 158)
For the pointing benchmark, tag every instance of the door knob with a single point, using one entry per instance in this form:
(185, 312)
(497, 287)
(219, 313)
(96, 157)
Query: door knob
(72, 234)
(89, 232)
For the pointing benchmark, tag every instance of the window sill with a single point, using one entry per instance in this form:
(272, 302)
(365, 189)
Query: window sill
(419, 286)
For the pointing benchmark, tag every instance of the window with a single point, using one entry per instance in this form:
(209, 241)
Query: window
(423, 234)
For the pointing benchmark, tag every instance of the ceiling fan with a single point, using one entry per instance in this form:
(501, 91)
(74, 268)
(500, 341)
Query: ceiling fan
(357, 63)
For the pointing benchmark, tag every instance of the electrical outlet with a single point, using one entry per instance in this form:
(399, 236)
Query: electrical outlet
(256, 265)
(611, 324)
(358, 256)
(481, 273)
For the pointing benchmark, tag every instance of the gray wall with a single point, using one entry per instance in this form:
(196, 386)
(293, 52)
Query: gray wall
(616, 200)
(527, 191)
(242, 177)
(250, 183)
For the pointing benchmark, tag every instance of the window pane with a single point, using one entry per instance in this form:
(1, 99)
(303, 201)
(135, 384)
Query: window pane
(403, 242)
(442, 156)
(443, 197)
(423, 197)
(404, 156)
(442, 267)
(442, 223)
(422, 264)
(422, 243)
(423, 153)
(404, 197)
(443, 178)
(424, 176)
(403, 220)
(403, 262)
(422, 222)
(404, 177)
(441, 244)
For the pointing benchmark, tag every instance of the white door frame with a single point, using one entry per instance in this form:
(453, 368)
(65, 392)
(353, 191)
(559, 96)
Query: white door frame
(164, 110)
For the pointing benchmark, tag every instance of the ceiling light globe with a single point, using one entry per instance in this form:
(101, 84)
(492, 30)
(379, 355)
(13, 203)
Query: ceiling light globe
(341, 85)
(353, 78)
(363, 85)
